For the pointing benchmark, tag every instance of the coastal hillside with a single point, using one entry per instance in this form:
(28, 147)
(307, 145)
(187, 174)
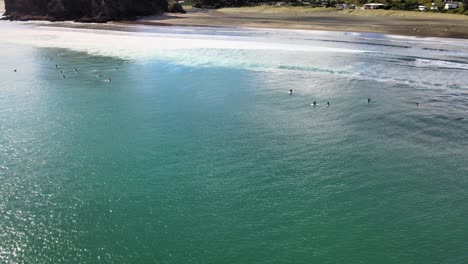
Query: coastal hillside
(82, 10)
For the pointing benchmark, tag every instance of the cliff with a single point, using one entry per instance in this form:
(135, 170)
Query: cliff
(82, 10)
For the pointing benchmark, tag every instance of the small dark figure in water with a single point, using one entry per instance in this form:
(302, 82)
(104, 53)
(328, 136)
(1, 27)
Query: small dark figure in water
(368, 100)
(315, 103)
(76, 70)
(417, 104)
(290, 91)
(116, 69)
(328, 103)
(63, 77)
(56, 66)
(110, 80)
(15, 70)
(50, 58)
(61, 71)
(460, 119)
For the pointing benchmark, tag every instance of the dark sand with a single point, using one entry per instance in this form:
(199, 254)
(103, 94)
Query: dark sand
(377, 21)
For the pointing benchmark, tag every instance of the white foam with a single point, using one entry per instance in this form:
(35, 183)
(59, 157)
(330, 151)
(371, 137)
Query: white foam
(440, 64)
(134, 45)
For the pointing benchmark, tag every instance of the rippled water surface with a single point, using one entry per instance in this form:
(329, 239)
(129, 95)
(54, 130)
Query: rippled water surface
(182, 145)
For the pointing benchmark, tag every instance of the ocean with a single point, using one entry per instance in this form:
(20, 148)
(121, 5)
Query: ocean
(134, 144)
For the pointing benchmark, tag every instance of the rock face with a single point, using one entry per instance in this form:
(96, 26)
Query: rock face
(82, 10)
(175, 7)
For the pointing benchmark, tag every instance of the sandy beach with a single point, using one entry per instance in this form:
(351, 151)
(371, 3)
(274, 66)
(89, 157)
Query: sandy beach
(406, 23)
(376, 21)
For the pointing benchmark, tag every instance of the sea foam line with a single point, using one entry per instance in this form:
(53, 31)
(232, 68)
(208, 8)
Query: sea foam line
(131, 45)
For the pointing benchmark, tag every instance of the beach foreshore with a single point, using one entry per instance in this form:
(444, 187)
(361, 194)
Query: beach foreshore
(373, 21)
(404, 23)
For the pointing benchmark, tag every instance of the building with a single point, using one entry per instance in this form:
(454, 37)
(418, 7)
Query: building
(450, 6)
(374, 6)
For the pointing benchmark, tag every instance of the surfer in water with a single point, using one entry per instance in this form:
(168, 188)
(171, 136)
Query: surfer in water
(328, 104)
(368, 100)
(290, 91)
(417, 104)
(315, 103)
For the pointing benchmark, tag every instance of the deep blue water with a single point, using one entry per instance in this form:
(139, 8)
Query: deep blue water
(195, 152)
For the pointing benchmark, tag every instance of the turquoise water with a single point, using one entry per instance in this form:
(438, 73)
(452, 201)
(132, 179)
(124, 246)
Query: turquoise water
(197, 154)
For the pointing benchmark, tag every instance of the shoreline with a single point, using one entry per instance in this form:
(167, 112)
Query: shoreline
(137, 27)
(383, 22)
(404, 23)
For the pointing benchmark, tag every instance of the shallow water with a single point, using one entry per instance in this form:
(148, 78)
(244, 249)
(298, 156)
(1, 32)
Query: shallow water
(195, 153)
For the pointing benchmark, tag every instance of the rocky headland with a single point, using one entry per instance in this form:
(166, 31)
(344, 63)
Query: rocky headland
(98, 11)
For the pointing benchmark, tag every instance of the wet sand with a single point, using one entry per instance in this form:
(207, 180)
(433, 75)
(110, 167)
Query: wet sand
(376, 21)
